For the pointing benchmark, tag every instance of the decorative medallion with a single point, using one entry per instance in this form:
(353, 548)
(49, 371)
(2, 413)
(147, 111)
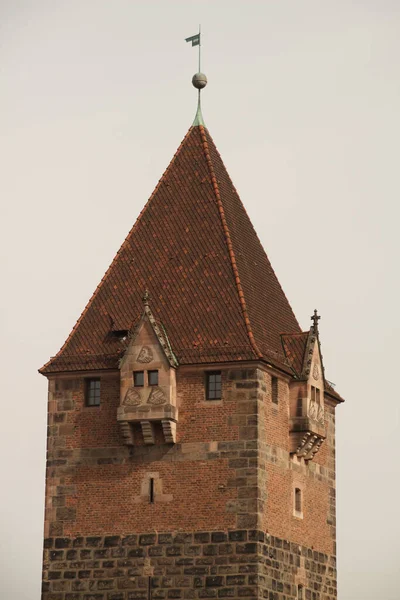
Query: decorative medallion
(132, 397)
(157, 396)
(315, 372)
(145, 355)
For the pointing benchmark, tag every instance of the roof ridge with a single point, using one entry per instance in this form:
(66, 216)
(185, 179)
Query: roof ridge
(85, 310)
(229, 244)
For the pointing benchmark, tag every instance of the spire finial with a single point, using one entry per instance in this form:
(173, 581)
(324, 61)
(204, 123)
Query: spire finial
(199, 80)
(146, 297)
(315, 318)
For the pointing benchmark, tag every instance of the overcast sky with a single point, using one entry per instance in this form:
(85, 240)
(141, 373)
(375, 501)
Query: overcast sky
(303, 104)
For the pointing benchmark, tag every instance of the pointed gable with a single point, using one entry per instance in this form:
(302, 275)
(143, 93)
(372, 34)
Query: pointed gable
(194, 248)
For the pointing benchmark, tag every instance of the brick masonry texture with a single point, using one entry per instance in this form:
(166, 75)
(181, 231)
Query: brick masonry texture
(207, 564)
(223, 497)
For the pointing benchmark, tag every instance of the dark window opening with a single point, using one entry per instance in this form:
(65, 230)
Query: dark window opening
(312, 393)
(151, 490)
(300, 595)
(153, 377)
(138, 378)
(299, 407)
(213, 385)
(92, 392)
(318, 394)
(297, 500)
(120, 334)
(274, 389)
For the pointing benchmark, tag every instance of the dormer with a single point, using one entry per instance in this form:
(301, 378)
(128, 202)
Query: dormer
(148, 383)
(307, 411)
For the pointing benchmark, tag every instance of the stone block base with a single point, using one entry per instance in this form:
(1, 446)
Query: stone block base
(242, 564)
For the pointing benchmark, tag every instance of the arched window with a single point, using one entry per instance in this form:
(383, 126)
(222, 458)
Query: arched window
(300, 592)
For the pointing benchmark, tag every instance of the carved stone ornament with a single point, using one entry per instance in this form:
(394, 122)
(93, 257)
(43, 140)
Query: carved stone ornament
(315, 372)
(145, 355)
(157, 397)
(132, 397)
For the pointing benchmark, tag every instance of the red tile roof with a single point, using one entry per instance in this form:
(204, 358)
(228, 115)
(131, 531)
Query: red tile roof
(210, 282)
(294, 346)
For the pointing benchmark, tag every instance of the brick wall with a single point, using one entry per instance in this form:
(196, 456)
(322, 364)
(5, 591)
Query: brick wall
(230, 470)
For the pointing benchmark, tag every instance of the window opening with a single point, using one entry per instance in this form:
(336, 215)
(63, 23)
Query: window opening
(153, 377)
(300, 595)
(299, 407)
(274, 389)
(151, 490)
(318, 396)
(138, 378)
(93, 392)
(297, 500)
(213, 385)
(149, 594)
(312, 393)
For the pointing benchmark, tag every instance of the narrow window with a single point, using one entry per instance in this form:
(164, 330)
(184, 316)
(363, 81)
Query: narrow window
(299, 407)
(312, 393)
(138, 378)
(153, 377)
(318, 396)
(149, 586)
(300, 594)
(297, 501)
(92, 392)
(151, 490)
(274, 389)
(213, 385)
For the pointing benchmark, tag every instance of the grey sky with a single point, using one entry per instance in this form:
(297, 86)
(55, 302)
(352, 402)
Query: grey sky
(303, 104)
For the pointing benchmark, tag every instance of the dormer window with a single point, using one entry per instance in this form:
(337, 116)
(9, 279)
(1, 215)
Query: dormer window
(213, 385)
(152, 377)
(138, 378)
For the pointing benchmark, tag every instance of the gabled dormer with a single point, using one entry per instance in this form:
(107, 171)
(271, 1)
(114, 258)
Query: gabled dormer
(147, 383)
(307, 411)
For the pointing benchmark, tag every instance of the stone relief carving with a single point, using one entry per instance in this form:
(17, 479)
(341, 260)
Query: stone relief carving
(145, 355)
(157, 396)
(132, 397)
(316, 412)
(315, 372)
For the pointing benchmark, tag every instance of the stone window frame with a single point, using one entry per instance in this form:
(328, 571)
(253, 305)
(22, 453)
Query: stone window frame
(298, 495)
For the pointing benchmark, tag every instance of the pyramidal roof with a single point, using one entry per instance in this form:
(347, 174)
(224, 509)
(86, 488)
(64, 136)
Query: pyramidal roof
(211, 285)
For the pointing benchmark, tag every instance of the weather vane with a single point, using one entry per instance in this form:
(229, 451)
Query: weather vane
(199, 80)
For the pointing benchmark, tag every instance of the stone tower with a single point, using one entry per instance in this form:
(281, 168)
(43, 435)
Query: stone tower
(191, 437)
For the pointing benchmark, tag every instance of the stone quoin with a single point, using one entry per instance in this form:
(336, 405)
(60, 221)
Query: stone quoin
(191, 428)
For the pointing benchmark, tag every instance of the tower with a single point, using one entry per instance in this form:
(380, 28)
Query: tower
(191, 438)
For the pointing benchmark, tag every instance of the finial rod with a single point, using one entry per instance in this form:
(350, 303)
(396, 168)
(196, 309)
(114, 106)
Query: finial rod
(199, 48)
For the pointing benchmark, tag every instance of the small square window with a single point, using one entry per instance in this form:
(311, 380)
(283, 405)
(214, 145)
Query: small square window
(92, 392)
(153, 377)
(213, 385)
(138, 378)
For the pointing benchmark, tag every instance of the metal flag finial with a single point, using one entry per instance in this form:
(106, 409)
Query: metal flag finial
(199, 80)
